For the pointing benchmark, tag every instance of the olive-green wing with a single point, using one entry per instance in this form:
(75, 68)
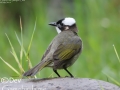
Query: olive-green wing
(67, 50)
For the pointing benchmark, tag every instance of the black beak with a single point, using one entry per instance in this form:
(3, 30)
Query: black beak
(53, 24)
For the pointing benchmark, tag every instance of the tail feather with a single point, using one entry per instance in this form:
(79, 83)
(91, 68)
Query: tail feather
(35, 69)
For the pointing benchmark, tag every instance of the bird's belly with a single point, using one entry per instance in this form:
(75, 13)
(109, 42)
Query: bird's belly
(72, 61)
(65, 63)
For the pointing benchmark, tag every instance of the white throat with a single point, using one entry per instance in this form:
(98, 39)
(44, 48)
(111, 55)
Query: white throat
(58, 30)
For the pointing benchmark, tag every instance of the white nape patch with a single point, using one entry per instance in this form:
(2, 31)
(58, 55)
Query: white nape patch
(58, 30)
(69, 21)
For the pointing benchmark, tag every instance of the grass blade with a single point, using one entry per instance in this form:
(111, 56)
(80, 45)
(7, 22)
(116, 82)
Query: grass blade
(20, 43)
(21, 51)
(29, 62)
(112, 79)
(10, 66)
(15, 55)
(32, 37)
(116, 53)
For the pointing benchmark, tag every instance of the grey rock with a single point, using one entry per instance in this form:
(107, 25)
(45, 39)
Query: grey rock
(58, 84)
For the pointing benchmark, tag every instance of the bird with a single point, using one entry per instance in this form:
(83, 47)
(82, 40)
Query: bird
(63, 50)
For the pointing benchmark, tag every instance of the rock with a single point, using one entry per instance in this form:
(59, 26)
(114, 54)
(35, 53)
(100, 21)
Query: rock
(66, 83)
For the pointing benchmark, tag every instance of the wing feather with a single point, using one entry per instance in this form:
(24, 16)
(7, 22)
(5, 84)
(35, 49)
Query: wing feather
(67, 50)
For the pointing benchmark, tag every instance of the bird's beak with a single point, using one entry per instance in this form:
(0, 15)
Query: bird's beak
(53, 24)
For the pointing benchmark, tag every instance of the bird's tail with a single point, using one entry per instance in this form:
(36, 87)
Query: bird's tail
(37, 68)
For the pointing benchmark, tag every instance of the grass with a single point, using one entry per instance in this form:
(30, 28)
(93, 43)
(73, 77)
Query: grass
(111, 78)
(22, 52)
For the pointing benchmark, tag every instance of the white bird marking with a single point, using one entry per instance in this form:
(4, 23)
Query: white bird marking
(58, 30)
(69, 21)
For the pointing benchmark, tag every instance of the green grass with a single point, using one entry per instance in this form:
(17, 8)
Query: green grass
(19, 60)
(99, 26)
(109, 76)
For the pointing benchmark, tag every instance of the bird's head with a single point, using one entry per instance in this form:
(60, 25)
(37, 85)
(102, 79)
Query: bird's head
(67, 23)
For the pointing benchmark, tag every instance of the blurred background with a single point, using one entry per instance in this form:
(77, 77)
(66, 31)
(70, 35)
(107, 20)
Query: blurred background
(98, 22)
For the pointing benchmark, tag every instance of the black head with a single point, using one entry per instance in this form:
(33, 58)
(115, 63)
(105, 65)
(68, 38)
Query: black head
(64, 24)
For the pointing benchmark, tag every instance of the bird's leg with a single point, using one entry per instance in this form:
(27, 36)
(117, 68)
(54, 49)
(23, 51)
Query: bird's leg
(56, 72)
(68, 71)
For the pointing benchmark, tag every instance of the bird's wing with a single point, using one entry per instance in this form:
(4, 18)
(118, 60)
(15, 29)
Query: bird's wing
(68, 49)
(47, 51)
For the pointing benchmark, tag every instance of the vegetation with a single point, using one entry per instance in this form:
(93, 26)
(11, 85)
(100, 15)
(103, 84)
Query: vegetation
(98, 22)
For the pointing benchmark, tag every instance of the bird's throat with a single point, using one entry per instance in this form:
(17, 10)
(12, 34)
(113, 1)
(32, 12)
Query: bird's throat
(58, 30)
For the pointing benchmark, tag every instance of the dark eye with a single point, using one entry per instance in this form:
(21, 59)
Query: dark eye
(60, 24)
